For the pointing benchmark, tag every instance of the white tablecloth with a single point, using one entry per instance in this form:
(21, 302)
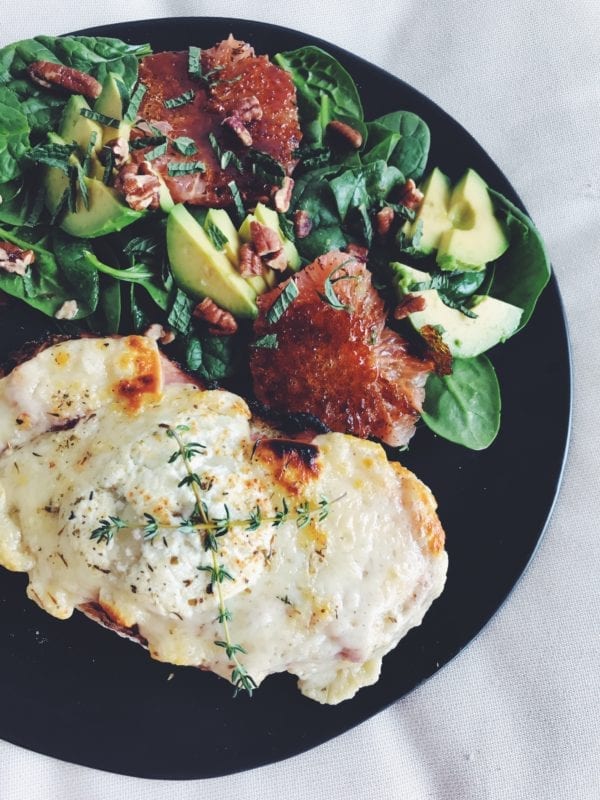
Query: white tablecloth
(517, 714)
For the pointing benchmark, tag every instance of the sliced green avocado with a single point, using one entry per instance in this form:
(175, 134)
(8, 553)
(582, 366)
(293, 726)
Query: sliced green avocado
(104, 213)
(476, 236)
(260, 283)
(466, 336)
(432, 218)
(267, 216)
(222, 221)
(203, 271)
(76, 128)
(110, 103)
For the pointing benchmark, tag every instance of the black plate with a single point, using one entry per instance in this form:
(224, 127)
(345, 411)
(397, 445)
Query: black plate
(77, 692)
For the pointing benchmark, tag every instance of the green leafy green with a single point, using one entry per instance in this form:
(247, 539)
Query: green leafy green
(325, 90)
(14, 135)
(78, 272)
(95, 55)
(464, 407)
(180, 313)
(218, 357)
(402, 139)
(288, 294)
(524, 270)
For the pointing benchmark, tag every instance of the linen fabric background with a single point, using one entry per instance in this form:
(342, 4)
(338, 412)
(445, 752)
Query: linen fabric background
(516, 715)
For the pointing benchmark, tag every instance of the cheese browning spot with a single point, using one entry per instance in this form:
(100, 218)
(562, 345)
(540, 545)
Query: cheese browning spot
(144, 385)
(294, 464)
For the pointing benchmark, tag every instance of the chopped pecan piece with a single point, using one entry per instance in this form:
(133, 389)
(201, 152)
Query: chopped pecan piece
(264, 239)
(139, 186)
(248, 109)
(68, 310)
(277, 261)
(14, 259)
(120, 150)
(302, 224)
(283, 196)
(250, 264)
(236, 125)
(57, 76)
(357, 251)
(408, 305)
(383, 220)
(346, 133)
(159, 334)
(411, 197)
(220, 322)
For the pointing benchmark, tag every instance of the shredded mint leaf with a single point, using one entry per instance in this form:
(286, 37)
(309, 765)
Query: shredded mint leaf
(157, 151)
(135, 103)
(110, 122)
(269, 342)
(180, 100)
(193, 353)
(194, 62)
(185, 145)
(180, 314)
(185, 167)
(53, 155)
(216, 236)
(237, 201)
(283, 302)
(146, 141)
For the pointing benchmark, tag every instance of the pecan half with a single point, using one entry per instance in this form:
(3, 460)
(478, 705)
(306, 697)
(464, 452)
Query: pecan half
(57, 76)
(283, 196)
(359, 252)
(264, 239)
(68, 310)
(346, 133)
(408, 305)
(236, 125)
(139, 186)
(14, 259)
(277, 261)
(220, 322)
(248, 109)
(120, 150)
(383, 220)
(302, 224)
(250, 264)
(411, 197)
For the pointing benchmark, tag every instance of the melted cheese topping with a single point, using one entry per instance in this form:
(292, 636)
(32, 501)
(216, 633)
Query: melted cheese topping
(324, 602)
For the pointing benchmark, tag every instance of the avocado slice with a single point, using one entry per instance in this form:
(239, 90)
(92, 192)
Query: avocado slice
(432, 218)
(105, 213)
(476, 236)
(465, 336)
(111, 103)
(222, 221)
(268, 216)
(203, 271)
(76, 128)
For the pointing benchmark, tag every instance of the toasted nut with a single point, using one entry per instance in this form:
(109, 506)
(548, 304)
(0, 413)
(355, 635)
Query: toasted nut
(250, 264)
(264, 239)
(159, 334)
(220, 322)
(236, 125)
(139, 186)
(302, 224)
(346, 133)
(57, 76)
(14, 259)
(383, 220)
(283, 196)
(408, 305)
(248, 109)
(359, 252)
(68, 310)
(120, 150)
(277, 261)
(411, 197)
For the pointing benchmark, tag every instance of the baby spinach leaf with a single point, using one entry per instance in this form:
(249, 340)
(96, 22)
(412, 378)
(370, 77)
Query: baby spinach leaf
(464, 407)
(14, 135)
(411, 136)
(95, 55)
(524, 270)
(22, 203)
(110, 305)
(45, 286)
(325, 91)
(80, 275)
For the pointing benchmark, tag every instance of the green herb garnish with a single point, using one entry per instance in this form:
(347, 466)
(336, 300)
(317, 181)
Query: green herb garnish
(216, 236)
(269, 342)
(110, 122)
(185, 167)
(180, 100)
(283, 302)
(185, 145)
